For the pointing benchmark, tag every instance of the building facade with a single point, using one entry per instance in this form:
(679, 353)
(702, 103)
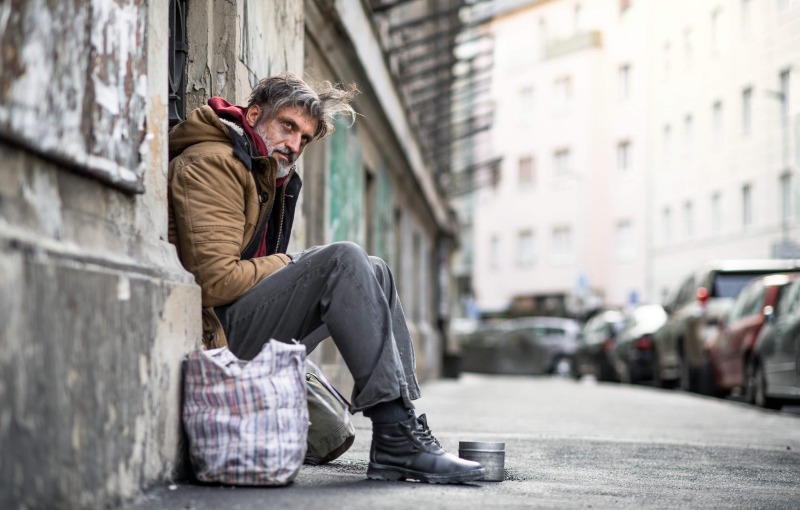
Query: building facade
(639, 140)
(570, 127)
(724, 130)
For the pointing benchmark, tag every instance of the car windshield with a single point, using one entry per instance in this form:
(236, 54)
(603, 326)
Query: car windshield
(548, 331)
(728, 285)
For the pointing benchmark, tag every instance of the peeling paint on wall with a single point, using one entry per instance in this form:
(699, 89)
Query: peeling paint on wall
(285, 28)
(74, 84)
(346, 186)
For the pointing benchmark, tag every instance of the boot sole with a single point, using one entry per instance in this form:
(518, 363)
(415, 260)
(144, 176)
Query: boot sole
(395, 473)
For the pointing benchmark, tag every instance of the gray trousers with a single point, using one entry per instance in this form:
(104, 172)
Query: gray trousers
(335, 290)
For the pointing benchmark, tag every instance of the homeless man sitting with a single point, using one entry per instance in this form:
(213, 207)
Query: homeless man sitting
(233, 187)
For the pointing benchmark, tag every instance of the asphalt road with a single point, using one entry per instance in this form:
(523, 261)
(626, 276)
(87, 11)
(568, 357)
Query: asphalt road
(568, 445)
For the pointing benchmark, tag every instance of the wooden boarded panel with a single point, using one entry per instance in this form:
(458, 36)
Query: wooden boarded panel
(73, 85)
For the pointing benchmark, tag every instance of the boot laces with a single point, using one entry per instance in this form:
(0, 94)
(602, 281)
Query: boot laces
(423, 432)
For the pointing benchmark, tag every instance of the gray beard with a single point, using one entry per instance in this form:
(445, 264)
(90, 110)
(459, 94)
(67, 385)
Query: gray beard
(283, 170)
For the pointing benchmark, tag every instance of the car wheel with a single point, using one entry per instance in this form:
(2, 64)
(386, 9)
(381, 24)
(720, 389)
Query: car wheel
(623, 375)
(574, 371)
(750, 381)
(685, 381)
(658, 381)
(561, 366)
(760, 398)
(707, 384)
(607, 373)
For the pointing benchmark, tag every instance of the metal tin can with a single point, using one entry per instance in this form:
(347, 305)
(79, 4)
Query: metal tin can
(492, 457)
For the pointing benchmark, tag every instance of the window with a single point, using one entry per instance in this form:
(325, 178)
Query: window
(626, 248)
(562, 93)
(666, 225)
(688, 133)
(786, 197)
(579, 18)
(624, 76)
(747, 12)
(562, 244)
(542, 37)
(561, 164)
(526, 175)
(418, 283)
(688, 47)
(526, 255)
(525, 109)
(178, 50)
(99, 79)
(494, 252)
(688, 219)
(716, 113)
(747, 110)
(784, 94)
(667, 144)
(624, 156)
(716, 212)
(715, 31)
(747, 205)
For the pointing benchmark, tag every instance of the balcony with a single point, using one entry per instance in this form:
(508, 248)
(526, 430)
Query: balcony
(579, 41)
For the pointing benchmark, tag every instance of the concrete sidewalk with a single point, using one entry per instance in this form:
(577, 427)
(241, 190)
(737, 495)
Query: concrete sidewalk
(568, 445)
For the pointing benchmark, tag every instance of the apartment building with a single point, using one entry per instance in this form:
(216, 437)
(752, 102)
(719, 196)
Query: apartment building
(724, 133)
(564, 230)
(638, 139)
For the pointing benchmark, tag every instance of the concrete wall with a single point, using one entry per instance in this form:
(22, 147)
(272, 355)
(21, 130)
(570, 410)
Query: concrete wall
(95, 311)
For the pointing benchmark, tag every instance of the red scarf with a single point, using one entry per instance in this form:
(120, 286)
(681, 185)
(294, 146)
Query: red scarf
(237, 114)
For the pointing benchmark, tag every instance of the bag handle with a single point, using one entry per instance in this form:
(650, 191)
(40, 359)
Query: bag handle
(328, 386)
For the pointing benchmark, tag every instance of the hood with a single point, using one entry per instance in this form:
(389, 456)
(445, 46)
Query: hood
(202, 125)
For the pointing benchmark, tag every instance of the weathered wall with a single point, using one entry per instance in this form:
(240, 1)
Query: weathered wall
(95, 311)
(85, 62)
(233, 44)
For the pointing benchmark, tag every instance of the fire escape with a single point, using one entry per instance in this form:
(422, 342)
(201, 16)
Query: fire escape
(440, 86)
(440, 55)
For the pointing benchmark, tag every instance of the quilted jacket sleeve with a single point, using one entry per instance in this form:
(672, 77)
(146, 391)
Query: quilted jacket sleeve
(207, 194)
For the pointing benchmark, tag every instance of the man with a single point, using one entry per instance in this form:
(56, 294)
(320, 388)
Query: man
(233, 188)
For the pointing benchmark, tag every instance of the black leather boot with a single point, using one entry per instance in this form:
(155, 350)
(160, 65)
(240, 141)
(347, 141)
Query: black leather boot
(408, 450)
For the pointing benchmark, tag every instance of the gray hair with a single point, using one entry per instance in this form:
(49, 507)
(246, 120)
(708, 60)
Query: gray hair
(324, 101)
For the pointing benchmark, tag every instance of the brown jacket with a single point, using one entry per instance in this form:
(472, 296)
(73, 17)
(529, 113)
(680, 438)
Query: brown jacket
(216, 209)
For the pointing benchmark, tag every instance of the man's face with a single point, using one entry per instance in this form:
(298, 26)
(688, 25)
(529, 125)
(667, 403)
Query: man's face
(286, 133)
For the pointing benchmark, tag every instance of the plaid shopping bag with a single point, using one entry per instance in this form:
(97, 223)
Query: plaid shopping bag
(247, 421)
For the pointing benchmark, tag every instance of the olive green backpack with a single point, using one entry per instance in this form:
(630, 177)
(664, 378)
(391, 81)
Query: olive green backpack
(331, 432)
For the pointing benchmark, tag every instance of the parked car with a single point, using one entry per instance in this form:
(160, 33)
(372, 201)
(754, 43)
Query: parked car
(739, 329)
(680, 354)
(546, 344)
(533, 345)
(772, 374)
(480, 347)
(597, 337)
(632, 355)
